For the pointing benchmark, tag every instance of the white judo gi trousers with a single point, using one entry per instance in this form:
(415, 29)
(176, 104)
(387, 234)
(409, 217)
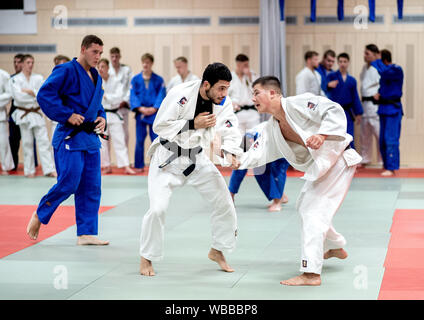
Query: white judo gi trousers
(208, 181)
(115, 130)
(124, 114)
(317, 204)
(370, 127)
(43, 146)
(6, 159)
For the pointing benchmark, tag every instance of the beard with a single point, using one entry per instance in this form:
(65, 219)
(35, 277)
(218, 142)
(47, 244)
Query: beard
(215, 100)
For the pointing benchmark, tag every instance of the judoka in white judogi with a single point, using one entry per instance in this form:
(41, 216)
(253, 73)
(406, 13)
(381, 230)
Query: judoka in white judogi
(175, 81)
(124, 75)
(6, 159)
(31, 122)
(328, 169)
(171, 124)
(370, 123)
(309, 81)
(112, 98)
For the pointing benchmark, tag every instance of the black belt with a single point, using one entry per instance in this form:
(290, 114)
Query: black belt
(348, 108)
(246, 108)
(381, 100)
(177, 151)
(87, 127)
(115, 111)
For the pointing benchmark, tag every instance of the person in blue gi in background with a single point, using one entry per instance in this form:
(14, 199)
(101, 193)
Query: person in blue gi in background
(147, 92)
(325, 67)
(346, 93)
(271, 177)
(72, 96)
(389, 110)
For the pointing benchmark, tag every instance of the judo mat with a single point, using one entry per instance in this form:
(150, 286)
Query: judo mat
(381, 218)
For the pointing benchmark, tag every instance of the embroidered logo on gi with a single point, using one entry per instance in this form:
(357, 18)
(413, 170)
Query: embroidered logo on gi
(311, 105)
(304, 263)
(256, 145)
(183, 101)
(67, 146)
(228, 124)
(235, 233)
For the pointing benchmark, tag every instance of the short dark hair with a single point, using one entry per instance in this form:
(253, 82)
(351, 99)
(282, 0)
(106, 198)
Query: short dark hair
(19, 56)
(310, 54)
(147, 56)
(27, 56)
(216, 71)
(242, 57)
(330, 53)
(89, 40)
(268, 82)
(343, 55)
(182, 59)
(372, 47)
(103, 60)
(115, 50)
(60, 57)
(386, 55)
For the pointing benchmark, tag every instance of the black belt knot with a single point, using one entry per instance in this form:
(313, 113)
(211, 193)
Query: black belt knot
(177, 152)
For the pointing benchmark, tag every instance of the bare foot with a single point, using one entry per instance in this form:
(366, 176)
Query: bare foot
(388, 173)
(4, 173)
(86, 240)
(275, 206)
(51, 175)
(219, 258)
(335, 253)
(107, 170)
(30, 175)
(33, 226)
(305, 279)
(128, 170)
(146, 267)
(284, 198)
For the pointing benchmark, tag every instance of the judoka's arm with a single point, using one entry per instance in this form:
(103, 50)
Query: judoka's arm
(357, 105)
(262, 151)
(134, 100)
(5, 95)
(48, 96)
(21, 97)
(227, 129)
(331, 116)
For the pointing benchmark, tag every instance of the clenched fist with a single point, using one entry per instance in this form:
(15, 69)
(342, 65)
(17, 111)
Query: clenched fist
(76, 119)
(315, 141)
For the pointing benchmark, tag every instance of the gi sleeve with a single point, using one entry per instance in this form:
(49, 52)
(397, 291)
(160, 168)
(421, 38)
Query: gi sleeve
(134, 100)
(331, 116)
(49, 95)
(161, 95)
(227, 129)
(357, 105)
(263, 150)
(5, 94)
(21, 98)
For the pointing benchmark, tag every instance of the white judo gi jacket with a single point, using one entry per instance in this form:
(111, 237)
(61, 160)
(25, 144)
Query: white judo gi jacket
(179, 106)
(5, 94)
(114, 93)
(24, 100)
(308, 115)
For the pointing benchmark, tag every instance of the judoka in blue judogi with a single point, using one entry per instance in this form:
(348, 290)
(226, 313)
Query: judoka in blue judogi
(346, 93)
(141, 96)
(67, 92)
(390, 110)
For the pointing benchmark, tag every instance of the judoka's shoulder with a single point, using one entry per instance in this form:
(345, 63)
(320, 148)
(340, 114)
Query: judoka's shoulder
(332, 75)
(4, 74)
(157, 77)
(37, 77)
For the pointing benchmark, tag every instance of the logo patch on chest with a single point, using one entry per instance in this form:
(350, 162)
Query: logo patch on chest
(228, 124)
(311, 105)
(182, 101)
